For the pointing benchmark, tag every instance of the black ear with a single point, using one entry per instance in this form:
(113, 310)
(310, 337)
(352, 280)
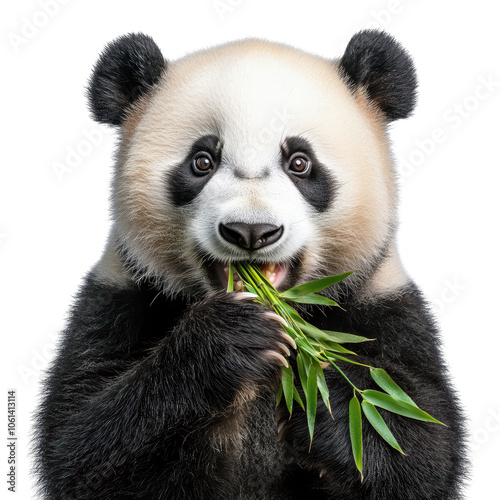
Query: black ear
(378, 64)
(127, 68)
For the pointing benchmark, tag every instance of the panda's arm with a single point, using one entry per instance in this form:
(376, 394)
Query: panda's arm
(406, 347)
(122, 406)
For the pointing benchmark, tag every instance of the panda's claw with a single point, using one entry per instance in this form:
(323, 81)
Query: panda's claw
(245, 296)
(289, 339)
(284, 348)
(276, 317)
(279, 357)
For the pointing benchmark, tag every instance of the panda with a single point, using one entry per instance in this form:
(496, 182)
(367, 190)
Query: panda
(164, 385)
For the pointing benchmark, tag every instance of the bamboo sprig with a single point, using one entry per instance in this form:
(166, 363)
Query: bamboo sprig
(316, 347)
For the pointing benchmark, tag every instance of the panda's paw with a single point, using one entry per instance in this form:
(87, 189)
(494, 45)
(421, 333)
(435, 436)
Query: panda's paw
(250, 338)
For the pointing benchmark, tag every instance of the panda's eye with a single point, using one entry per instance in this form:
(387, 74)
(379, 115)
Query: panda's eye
(299, 165)
(202, 164)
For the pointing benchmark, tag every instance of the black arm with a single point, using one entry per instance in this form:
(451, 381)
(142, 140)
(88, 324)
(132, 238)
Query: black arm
(148, 388)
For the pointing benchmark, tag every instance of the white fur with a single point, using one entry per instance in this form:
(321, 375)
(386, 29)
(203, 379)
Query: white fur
(252, 95)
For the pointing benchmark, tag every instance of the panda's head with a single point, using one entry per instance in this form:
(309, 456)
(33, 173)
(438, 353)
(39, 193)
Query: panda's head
(252, 151)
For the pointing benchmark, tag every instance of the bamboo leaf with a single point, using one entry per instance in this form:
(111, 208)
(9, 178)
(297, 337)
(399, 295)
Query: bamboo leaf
(230, 280)
(356, 432)
(314, 286)
(346, 338)
(301, 368)
(251, 289)
(385, 382)
(297, 398)
(387, 402)
(290, 311)
(333, 346)
(331, 355)
(322, 345)
(318, 334)
(287, 383)
(311, 400)
(323, 388)
(378, 423)
(310, 299)
(302, 343)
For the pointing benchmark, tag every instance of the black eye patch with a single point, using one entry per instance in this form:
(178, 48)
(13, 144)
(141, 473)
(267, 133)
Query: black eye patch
(183, 184)
(318, 187)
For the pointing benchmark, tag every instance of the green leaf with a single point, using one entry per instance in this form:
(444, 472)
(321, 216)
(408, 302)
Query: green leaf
(323, 388)
(356, 431)
(316, 333)
(310, 299)
(378, 423)
(297, 398)
(311, 400)
(291, 312)
(279, 395)
(303, 344)
(384, 381)
(387, 402)
(346, 338)
(333, 346)
(251, 289)
(230, 280)
(323, 345)
(331, 355)
(314, 286)
(287, 383)
(303, 361)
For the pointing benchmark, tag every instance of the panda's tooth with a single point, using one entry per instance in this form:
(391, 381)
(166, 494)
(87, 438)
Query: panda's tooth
(271, 267)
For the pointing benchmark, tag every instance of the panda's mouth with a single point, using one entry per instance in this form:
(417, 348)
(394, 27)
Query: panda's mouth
(282, 275)
(275, 272)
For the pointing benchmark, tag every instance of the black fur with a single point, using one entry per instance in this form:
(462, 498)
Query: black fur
(318, 188)
(155, 398)
(143, 386)
(127, 69)
(183, 184)
(377, 63)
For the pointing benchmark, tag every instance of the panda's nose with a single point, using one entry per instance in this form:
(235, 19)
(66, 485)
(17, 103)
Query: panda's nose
(250, 236)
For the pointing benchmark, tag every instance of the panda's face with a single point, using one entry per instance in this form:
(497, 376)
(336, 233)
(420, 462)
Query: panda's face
(252, 151)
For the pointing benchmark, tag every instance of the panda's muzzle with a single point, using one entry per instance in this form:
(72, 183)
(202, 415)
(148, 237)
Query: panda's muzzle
(250, 236)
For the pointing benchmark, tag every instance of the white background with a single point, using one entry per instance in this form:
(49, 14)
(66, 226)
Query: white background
(53, 225)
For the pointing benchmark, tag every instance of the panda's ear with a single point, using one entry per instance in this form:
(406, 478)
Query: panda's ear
(374, 62)
(127, 68)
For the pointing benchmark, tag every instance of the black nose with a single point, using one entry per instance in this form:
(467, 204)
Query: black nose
(250, 236)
